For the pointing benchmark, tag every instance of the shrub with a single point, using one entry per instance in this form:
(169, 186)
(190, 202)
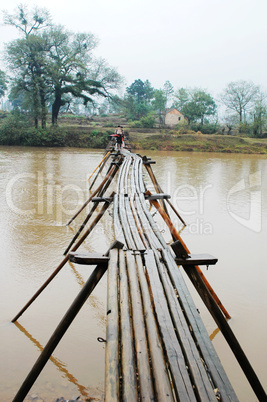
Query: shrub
(148, 121)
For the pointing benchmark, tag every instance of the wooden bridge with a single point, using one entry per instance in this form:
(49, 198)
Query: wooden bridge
(157, 347)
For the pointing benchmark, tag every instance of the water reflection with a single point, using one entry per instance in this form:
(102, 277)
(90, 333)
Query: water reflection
(60, 365)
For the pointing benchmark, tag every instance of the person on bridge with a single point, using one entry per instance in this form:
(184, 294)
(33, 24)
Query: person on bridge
(119, 135)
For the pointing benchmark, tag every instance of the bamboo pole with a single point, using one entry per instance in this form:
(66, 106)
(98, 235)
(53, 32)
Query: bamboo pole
(93, 195)
(63, 262)
(159, 190)
(178, 237)
(62, 327)
(100, 170)
(81, 227)
(107, 154)
(100, 194)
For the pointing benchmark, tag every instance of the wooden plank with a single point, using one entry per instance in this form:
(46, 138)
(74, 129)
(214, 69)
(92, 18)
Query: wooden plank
(126, 178)
(146, 226)
(88, 258)
(199, 331)
(200, 376)
(139, 329)
(119, 235)
(128, 369)
(177, 364)
(140, 174)
(112, 375)
(125, 223)
(158, 361)
(137, 222)
(154, 226)
(197, 259)
(132, 225)
(135, 172)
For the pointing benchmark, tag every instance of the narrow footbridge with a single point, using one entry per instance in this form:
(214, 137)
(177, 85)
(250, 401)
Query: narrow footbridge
(157, 347)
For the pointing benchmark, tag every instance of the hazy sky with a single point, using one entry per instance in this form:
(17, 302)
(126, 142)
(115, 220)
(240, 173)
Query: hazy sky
(194, 43)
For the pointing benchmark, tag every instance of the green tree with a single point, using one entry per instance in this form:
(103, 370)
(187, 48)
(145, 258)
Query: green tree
(168, 91)
(68, 58)
(159, 103)
(140, 91)
(54, 65)
(195, 104)
(26, 58)
(137, 100)
(240, 97)
(182, 96)
(3, 83)
(259, 115)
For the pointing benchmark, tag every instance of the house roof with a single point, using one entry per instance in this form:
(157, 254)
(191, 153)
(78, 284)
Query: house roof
(172, 109)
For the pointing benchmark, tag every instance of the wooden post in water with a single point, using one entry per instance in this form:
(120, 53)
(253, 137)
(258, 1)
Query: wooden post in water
(63, 262)
(226, 330)
(107, 154)
(94, 193)
(159, 190)
(63, 326)
(178, 237)
(100, 193)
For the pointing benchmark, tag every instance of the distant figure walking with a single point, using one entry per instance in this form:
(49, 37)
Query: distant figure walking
(119, 134)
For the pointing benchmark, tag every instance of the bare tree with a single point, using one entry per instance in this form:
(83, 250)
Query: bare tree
(28, 22)
(240, 96)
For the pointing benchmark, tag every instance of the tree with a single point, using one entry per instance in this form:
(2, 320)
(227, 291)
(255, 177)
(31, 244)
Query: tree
(141, 91)
(182, 96)
(54, 65)
(259, 115)
(159, 103)
(68, 58)
(195, 104)
(138, 99)
(3, 83)
(240, 96)
(27, 57)
(168, 91)
(28, 22)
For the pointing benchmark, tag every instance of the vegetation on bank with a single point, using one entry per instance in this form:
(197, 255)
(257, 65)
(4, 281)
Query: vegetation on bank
(78, 131)
(198, 142)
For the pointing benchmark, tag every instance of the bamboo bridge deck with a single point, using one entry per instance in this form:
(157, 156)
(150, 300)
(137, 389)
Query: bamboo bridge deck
(157, 347)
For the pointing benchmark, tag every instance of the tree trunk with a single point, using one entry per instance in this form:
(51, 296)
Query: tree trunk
(55, 109)
(43, 109)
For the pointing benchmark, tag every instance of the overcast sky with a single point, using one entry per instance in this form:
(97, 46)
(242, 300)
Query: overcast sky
(191, 43)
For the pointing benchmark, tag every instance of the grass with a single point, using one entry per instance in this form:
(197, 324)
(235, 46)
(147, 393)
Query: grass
(199, 142)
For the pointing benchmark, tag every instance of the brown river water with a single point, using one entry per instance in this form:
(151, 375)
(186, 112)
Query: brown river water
(222, 198)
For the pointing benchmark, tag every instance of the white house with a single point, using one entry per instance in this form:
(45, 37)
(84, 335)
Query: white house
(173, 117)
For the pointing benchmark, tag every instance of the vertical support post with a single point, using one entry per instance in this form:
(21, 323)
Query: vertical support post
(226, 331)
(63, 326)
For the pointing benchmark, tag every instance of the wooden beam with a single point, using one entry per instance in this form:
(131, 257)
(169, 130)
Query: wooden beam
(197, 259)
(159, 196)
(88, 258)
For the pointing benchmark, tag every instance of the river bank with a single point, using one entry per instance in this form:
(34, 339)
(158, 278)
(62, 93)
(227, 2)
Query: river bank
(85, 133)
